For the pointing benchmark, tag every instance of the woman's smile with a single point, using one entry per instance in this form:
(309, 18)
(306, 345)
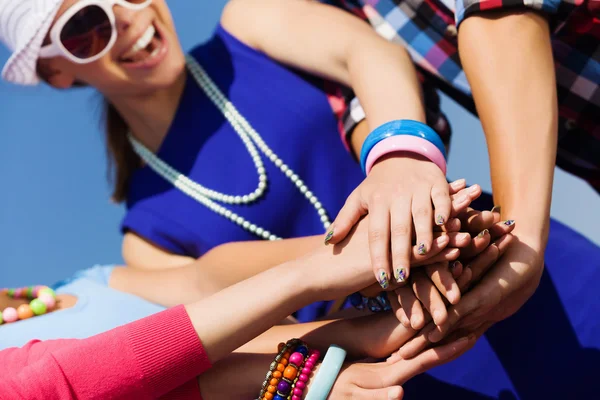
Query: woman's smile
(148, 51)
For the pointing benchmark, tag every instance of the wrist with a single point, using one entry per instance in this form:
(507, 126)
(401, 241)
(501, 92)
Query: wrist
(402, 135)
(531, 227)
(301, 280)
(395, 159)
(535, 239)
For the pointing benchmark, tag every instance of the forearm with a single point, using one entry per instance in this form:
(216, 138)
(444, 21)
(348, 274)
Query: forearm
(508, 61)
(374, 335)
(384, 78)
(239, 313)
(230, 263)
(221, 267)
(233, 316)
(338, 47)
(237, 376)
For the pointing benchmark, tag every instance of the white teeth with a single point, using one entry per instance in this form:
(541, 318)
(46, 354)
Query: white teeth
(144, 40)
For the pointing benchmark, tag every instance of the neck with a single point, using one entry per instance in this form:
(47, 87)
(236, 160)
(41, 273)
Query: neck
(149, 116)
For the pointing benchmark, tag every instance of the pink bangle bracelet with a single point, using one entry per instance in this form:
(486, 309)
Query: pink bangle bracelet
(407, 143)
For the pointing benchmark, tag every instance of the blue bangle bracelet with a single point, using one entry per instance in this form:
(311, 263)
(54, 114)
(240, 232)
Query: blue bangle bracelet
(328, 373)
(399, 127)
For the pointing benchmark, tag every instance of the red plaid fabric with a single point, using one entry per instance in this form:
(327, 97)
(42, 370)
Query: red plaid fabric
(428, 29)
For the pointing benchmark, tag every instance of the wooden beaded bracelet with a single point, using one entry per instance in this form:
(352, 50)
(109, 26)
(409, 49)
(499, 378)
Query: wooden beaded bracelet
(291, 373)
(277, 368)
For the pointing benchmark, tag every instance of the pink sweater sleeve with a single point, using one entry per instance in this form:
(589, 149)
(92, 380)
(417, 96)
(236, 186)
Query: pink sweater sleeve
(157, 356)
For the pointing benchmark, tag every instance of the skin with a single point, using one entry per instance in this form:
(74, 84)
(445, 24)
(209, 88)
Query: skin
(348, 52)
(519, 113)
(300, 282)
(196, 279)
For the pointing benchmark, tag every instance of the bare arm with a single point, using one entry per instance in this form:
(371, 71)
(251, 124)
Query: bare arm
(508, 61)
(230, 263)
(337, 46)
(185, 280)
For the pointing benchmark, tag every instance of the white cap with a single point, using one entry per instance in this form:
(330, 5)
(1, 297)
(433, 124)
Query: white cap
(23, 26)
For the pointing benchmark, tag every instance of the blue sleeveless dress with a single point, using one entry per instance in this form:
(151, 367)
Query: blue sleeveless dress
(291, 113)
(548, 350)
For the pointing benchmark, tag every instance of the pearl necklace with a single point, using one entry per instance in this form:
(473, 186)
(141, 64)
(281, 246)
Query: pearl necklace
(249, 137)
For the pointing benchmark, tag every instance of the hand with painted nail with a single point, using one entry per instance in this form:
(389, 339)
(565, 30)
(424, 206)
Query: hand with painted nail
(434, 286)
(395, 202)
(436, 271)
(442, 283)
(428, 291)
(486, 279)
(398, 193)
(382, 380)
(446, 248)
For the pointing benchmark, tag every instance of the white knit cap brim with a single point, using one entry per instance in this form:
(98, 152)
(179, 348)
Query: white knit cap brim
(23, 26)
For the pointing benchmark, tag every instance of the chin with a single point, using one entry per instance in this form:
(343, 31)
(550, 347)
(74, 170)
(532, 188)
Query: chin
(167, 73)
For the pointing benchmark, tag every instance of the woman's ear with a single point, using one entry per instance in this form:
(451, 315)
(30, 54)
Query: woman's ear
(54, 76)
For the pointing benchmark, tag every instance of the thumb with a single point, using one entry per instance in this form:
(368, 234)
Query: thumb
(349, 215)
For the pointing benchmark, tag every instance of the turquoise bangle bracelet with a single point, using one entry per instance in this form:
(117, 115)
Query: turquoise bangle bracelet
(399, 127)
(328, 373)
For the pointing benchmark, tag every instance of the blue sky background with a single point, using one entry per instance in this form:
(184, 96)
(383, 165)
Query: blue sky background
(55, 213)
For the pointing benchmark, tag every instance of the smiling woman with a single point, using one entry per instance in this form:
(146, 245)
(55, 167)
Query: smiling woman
(155, 96)
(116, 45)
(241, 141)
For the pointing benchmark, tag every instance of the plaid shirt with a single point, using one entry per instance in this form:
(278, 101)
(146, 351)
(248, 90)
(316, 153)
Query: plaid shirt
(428, 29)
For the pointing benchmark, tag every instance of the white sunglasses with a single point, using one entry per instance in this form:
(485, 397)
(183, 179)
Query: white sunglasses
(87, 30)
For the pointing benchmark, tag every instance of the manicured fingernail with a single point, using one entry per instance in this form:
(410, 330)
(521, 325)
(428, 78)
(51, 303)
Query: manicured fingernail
(400, 274)
(329, 236)
(382, 277)
(422, 250)
(482, 233)
(509, 222)
(496, 209)
(440, 219)
(437, 315)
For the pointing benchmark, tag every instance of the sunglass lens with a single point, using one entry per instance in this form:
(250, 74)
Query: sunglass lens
(87, 33)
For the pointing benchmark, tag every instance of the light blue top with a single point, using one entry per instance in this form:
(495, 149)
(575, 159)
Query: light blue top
(98, 309)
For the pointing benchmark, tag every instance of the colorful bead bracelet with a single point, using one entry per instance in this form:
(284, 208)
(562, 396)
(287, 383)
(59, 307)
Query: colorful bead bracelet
(289, 373)
(374, 304)
(277, 368)
(43, 300)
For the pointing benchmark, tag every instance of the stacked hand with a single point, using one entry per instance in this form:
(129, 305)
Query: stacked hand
(431, 289)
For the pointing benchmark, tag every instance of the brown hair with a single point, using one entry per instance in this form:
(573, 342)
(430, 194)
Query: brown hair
(122, 160)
